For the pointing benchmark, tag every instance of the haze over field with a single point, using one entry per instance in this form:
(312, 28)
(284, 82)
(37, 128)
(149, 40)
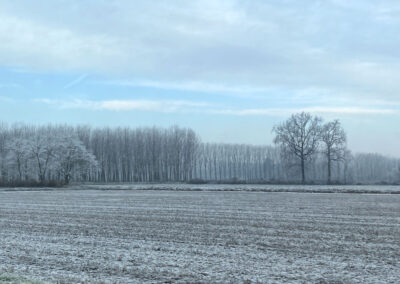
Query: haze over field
(230, 69)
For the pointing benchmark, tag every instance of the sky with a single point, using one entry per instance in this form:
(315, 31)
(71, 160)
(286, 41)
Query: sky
(229, 69)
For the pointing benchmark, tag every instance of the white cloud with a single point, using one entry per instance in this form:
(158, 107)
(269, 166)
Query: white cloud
(314, 110)
(323, 53)
(166, 106)
(229, 46)
(196, 86)
(148, 105)
(172, 106)
(350, 110)
(31, 45)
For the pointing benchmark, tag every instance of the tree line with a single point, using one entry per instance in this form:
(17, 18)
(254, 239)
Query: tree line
(305, 150)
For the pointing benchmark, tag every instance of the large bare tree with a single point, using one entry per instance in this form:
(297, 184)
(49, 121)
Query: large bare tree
(334, 140)
(299, 136)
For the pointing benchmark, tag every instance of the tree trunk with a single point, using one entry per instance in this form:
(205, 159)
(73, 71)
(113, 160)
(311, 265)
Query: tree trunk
(66, 179)
(329, 170)
(41, 177)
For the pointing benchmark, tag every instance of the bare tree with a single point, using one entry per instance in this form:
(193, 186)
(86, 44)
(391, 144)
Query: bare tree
(334, 140)
(299, 136)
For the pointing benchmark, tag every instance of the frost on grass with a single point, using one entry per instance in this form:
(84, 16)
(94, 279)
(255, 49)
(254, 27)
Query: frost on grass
(14, 279)
(160, 236)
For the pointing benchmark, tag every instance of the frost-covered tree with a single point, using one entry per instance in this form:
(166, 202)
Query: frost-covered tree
(71, 155)
(18, 155)
(333, 138)
(348, 175)
(4, 136)
(62, 153)
(42, 147)
(299, 136)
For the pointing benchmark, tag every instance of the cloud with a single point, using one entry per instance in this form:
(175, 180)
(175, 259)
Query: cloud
(148, 105)
(195, 86)
(314, 110)
(226, 46)
(165, 106)
(350, 110)
(31, 45)
(317, 54)
(173, 106)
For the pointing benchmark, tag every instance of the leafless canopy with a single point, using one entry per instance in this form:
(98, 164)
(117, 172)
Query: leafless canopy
(334, 141)
(300, 136)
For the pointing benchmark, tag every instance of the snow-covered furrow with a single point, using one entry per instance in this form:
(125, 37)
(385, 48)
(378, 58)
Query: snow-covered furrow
(169, 236)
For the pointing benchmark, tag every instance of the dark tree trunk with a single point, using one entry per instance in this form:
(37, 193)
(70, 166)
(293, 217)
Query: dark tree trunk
(66, 179)
(303, 174)
(329, 169)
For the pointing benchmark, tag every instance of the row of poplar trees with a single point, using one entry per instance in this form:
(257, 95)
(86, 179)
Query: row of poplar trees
(306, 150)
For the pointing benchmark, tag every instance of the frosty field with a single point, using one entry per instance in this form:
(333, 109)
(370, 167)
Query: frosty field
(210, 236)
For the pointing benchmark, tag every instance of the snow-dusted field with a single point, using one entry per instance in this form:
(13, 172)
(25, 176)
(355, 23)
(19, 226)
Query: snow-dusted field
(162, 236)
(392, 189)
